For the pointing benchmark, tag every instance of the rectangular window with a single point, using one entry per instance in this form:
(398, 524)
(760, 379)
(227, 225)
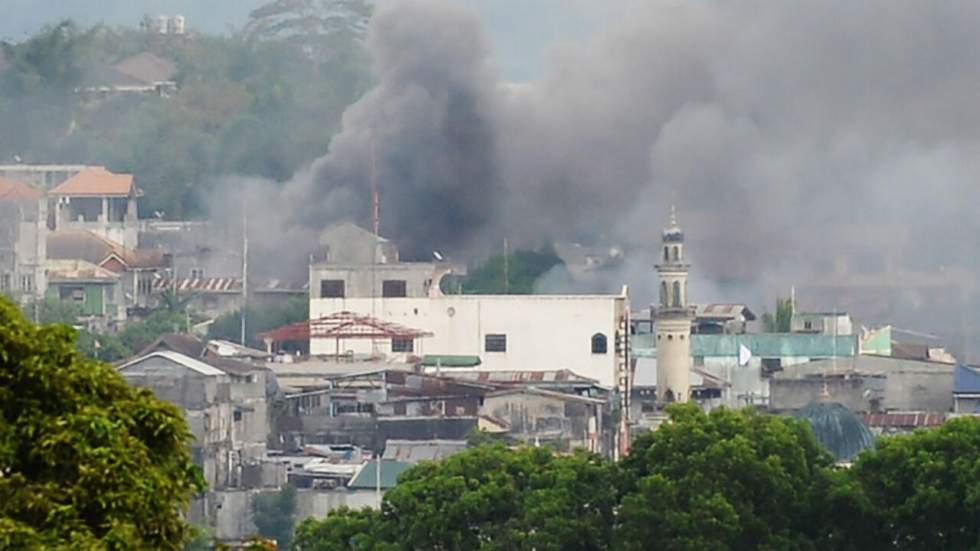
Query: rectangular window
(402, 345)
(197, 273)
(770, 366)
(332, 288)
(5, 282)
(76, 294)
(495, 343)
(393, 288)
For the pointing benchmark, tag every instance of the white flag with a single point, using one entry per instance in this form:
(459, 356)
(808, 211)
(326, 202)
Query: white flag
(744, 355)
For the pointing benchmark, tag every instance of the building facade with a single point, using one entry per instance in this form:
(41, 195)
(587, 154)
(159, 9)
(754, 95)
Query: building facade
(23, 227)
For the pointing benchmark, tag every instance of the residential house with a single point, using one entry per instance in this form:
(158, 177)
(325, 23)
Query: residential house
(23, 226)
(204, 393)
(142, 73)
(537, 416)
(138, 269)
(101, 201)
(729, 319)
(96, 290)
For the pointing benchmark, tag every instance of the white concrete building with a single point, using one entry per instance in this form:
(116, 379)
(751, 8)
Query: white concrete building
(357, 271)
(507, 332)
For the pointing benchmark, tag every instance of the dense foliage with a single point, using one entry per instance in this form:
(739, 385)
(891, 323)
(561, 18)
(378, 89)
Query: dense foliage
(514, 273)
(782, 320)
(723, 480)
(86, 461)
(258, 320)
(274, 515)
(254, 102)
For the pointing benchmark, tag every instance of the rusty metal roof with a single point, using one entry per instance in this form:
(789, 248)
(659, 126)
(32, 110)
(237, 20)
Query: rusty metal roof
(520, 377)
(343, 325)
(200, 284)
(915, 419)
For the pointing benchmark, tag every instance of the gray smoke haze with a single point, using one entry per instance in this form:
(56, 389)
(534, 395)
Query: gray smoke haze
(22, 18)
(810, 144)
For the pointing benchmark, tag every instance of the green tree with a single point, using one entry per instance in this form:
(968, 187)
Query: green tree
(259, 320)
(724, 480)
(274, 515)
(514, 274)
(782, 321)
(920, 491)
(344, 529)
(484, 498)
(86, 461)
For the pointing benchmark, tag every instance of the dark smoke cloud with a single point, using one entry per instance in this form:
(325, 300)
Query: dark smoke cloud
(794, 138)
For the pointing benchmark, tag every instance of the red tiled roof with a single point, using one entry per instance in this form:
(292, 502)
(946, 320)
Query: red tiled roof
(96, 180)
(12, 190)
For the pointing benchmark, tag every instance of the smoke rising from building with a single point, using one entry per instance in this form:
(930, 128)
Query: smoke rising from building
(798, 141)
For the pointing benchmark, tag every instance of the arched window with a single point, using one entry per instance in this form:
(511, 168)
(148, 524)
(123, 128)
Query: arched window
(669, 396)
(677, 252)
(677, 294)
(663, 294)
(666, 257)
(599, 344)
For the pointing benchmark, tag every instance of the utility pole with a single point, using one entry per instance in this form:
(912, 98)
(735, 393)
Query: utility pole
(244, 265)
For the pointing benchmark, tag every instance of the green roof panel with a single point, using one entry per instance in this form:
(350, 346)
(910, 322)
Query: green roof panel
(447, 360)
(367, 477)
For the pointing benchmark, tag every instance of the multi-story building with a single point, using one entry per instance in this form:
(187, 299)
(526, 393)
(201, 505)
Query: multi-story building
(23, 227)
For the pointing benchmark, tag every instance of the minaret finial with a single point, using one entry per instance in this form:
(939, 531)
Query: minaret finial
(673, 215)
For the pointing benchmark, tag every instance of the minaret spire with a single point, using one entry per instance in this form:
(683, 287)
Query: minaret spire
(673, 318)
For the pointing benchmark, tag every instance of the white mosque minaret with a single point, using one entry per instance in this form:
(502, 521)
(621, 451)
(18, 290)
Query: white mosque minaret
(673, 319)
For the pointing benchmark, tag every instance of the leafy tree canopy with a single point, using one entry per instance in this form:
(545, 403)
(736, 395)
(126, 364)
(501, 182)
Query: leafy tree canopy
(722, 480)
(514, 273)
(86, 461)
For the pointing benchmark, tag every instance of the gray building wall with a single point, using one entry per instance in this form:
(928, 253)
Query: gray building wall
(906, 385)
(23, 247)
(362, 281)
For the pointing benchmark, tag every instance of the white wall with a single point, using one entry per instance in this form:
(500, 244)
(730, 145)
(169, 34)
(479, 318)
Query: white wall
(544, 332)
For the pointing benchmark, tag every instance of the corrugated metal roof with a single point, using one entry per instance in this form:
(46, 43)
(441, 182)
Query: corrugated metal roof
(555, 376)
(366, 478)
(966, 380)
(200, 284)
(904, 420)
(178, 358)
(78, 270)
(413, 451)
(775, 345)
(447, 360)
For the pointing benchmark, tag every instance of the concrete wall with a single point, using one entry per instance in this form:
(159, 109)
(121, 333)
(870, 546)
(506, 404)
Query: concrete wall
(544, 332)
(23, 247)
(366, 281)
(911, 385)
(533, 416)
(793, 394)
